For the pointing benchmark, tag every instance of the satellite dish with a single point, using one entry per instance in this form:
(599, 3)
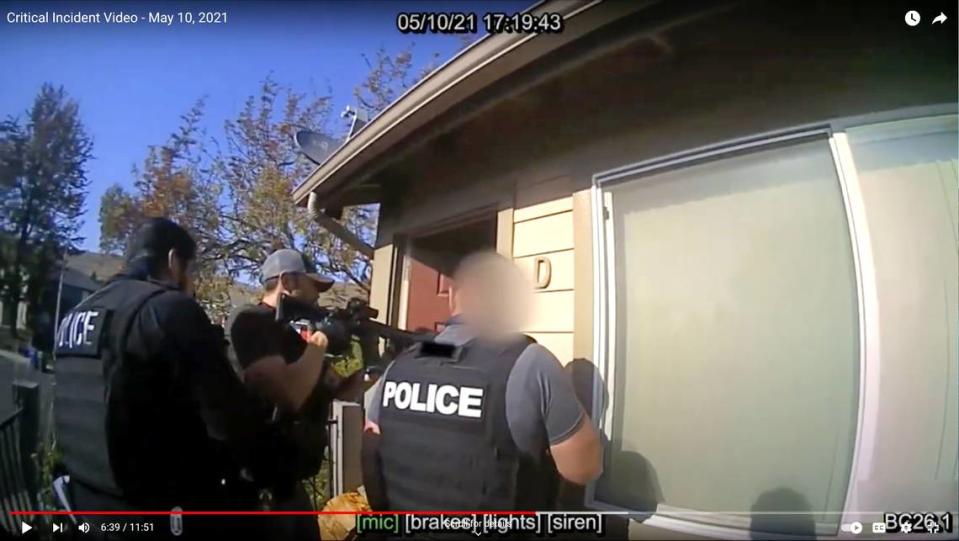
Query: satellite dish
(315, 146)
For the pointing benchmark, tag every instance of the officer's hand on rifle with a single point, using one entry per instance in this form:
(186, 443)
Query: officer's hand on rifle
(319, 340)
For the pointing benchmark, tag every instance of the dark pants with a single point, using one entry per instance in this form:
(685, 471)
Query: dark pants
(159, 527)
(294, 527)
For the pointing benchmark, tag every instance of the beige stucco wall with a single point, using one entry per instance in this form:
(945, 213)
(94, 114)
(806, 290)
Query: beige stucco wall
(552, 245)
(380, 283)
(544, 249)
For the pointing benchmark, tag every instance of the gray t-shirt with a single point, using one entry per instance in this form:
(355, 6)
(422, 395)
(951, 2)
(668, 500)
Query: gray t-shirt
(541, 406)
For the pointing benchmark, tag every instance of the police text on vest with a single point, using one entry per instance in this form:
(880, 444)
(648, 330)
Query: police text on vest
(76, 328)
(442, 399)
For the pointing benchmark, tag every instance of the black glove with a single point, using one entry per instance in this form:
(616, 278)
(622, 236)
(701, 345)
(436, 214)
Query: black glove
(337, 335)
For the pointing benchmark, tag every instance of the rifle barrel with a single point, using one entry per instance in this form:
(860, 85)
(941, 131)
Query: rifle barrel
(392, 333)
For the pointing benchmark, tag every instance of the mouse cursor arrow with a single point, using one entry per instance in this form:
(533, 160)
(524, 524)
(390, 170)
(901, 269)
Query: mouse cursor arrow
(941, 18)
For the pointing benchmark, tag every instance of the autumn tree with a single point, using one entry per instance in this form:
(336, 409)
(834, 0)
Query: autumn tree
(389, 76)
(260, 165)
(176, 181)
(237, 198)
(43, 187)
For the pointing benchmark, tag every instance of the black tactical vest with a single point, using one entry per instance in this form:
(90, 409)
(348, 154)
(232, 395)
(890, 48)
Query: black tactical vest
(90, 343)
(445, 441)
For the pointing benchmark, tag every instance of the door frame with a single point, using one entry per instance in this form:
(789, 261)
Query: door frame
(403, 240)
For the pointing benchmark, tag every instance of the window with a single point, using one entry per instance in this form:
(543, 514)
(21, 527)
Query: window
(734, 341)
(907, 172)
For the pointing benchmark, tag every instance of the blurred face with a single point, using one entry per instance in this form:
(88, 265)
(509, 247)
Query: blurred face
(492, 296)
(300, 287)
(182, 273)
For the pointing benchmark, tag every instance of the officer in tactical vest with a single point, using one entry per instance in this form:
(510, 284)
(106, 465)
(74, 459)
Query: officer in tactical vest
(149, 413)
(483, 418)
(286, 365)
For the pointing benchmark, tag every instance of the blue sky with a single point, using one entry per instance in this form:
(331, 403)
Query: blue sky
(134, 81)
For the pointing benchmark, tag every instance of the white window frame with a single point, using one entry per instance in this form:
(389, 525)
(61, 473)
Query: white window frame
(604, 299)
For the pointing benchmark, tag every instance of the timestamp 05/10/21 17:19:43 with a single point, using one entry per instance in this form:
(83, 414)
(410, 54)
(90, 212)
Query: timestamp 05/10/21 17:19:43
(470, 23)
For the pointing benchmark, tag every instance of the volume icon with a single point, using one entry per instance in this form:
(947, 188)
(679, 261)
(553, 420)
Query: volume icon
(84, 527)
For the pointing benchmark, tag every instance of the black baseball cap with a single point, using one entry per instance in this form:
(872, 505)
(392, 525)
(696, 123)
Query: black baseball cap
(291, 261)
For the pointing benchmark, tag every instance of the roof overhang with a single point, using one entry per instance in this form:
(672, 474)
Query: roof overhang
(488, 61)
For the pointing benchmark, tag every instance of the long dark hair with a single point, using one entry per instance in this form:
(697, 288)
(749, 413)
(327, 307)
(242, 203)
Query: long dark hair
(147, 253)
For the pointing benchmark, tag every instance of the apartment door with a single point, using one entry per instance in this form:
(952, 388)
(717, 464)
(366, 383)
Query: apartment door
(431, 260)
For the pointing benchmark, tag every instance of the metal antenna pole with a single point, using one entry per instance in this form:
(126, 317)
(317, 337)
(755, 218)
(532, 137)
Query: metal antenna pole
(56, 317)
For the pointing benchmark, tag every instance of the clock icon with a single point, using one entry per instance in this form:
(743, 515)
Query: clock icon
(912, 18)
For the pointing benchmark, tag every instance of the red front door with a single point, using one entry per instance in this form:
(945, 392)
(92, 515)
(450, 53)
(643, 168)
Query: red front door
(432, 259)
(428, 306)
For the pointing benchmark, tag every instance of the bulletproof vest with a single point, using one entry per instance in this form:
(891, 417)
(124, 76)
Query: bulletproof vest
(90, 346)
(445, 441)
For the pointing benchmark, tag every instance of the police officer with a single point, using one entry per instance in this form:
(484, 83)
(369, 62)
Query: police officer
(289, 368)
(149, 413)
(483, 418)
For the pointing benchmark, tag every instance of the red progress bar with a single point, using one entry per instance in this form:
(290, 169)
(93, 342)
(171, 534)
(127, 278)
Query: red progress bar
(242, 513)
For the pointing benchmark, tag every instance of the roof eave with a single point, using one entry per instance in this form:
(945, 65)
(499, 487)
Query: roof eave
(485, 62)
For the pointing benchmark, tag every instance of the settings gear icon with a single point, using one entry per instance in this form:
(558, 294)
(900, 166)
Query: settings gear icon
(905, 528)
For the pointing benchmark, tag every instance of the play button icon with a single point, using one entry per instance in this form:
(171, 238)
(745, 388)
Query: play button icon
(24, 527)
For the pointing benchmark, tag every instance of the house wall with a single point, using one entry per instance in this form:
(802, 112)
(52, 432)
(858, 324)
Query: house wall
(533, 157)
(544, 227)
(544, 248)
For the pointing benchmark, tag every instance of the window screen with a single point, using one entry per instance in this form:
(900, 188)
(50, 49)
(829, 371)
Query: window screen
(735, 341)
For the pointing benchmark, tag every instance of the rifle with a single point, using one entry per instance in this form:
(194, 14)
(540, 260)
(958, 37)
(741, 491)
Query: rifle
(342, 325)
